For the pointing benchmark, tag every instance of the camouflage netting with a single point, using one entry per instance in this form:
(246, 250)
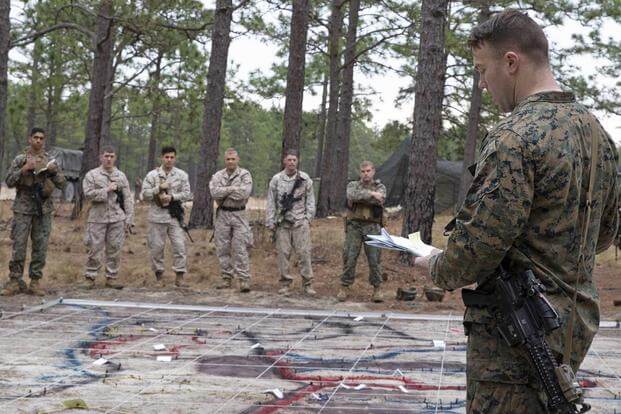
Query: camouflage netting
(394, 172)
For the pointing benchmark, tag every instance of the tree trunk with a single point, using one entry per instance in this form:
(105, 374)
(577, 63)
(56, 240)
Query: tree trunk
(295, 77)
(106, 122)
(429, 92)
(347, 97)
(54, 96)
(325, 203)
(155, 112)
(103, 48)
(202, 211)
(474, 116)
(33, 93)
(320, 132)
(5, 28)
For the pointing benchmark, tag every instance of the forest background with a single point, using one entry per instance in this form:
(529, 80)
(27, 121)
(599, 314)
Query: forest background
(142, 74)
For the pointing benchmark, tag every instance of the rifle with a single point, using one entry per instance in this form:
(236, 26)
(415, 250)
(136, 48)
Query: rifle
(37, 196)
(287, 200)
(120, 199)
(175, 209)
(524, 316)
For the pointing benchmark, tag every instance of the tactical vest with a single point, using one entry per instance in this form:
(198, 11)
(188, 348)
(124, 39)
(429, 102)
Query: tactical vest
(38, 176)
(366, 212)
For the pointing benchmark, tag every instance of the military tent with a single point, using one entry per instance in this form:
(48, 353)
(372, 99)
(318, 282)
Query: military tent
(394, 172)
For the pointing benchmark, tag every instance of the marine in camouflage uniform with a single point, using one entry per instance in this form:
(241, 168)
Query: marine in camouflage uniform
(230, 188)
(32, 212)
(107, 220)
(292, 227)
(160, 187)
(526, 209)
(365, 199)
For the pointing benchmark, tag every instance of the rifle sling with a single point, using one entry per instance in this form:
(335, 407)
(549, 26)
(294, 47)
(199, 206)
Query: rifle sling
(585, 230)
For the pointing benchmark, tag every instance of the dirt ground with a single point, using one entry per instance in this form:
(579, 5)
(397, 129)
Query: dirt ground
(66, 259)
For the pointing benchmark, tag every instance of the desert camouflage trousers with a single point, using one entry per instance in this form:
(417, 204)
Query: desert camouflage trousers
(104, 239)
(38, 228)
(295, 238)
(233, 238)
(354, 240)
(156, 240)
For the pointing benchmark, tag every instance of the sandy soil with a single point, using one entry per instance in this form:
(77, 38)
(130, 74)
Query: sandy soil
(66, 258)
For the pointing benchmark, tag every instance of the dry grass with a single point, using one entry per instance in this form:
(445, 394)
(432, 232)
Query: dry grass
(66, 259)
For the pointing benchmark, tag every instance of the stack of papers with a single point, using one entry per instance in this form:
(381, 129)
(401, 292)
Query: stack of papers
(412, 245)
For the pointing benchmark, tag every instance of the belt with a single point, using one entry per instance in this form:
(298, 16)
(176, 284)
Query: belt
(232, 208)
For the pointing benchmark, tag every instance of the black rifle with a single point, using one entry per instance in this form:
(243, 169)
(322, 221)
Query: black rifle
(524, 316)
(175, 209)
(37, 196)
(120, 198)
(287, 200)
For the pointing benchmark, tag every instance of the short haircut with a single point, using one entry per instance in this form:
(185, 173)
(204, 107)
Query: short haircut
(36, 130)
(290, 152)
(512, 29)
(231, 150)
(169, 148)
(107, 149)
(366, 163)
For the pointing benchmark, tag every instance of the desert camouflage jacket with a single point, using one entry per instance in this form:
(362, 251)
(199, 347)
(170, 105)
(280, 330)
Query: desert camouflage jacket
(304, 209)
(179, 187)
(105, 207)
(231, 190)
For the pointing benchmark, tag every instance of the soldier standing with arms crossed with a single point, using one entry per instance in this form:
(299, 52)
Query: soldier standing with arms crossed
(35, 176)
(290, 208)
(543, 199)
(230, 188)
(365, 202)
(162, 188)
(109, 218)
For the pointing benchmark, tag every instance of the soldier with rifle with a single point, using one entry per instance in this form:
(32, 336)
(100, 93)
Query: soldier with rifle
(166, 188)
(290, 209)
(35, 175)
(543, 203)
(110, 217)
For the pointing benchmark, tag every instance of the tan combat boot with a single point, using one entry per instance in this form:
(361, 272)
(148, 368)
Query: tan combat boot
(35, 288)
(244, 286)
(112, 283)
(13, 287)
(225, 283)
(308, 290)
(179, 281)
(343, 294)
(377, 294)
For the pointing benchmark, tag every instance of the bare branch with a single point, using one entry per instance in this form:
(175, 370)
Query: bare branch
(31, 37)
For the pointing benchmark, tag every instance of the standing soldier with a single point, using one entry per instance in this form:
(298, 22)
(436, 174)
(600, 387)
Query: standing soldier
(109, 217)
(365, 200)
(542, 204)
(166, 187)
(35, 176)
(231, 188)
(290, 208)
